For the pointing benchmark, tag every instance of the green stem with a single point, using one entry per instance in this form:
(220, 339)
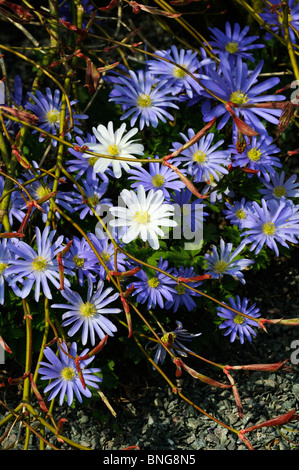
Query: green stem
(285, 24)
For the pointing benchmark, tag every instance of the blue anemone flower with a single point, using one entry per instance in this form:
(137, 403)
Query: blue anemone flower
(80, 164)
(183, 295)
(279, 187)
(237, 325)
(83, 260)
(37, 267)
(106, 250)
(236, 212)
(47, 107)
(62, 372)
(154, 290)
(226, 261)
(234, 42)
(173, 340)
(158, 177)
(202, 159)
(144, 98)
(258, 155)
(94, 190)
(237, 84)
(275, 20)
(180, 80)
(275, 221)
(90, 315)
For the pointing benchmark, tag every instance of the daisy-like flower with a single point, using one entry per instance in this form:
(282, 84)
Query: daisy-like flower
(234, 42)
(201, 159)
(279, 187)
(94, 190)
(144, 97)
(235, 83)
(89, 315)
(173, 341)
(237, 325)
(82, 260)
(183, 295)
(143, 217)
(154, 290)
(180, 80)
(115, 144)
(258, 155)
(62, 373)
(39, 188)
(275, 19)
(226, 261)
(158, 177)
(274, 222)
(82, 165)
(47, 107)
(106, 250)
(236, 213)
(37, 267)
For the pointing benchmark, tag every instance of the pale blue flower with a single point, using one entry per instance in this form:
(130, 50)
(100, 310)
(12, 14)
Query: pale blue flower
(226, 261)
(237, 325)
(37, 267)
(144, 98)
(62, 373)
(271, 223)
(90, 315)
(202, 159)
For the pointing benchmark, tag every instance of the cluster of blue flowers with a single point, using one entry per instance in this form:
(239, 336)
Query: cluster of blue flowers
(147, 97)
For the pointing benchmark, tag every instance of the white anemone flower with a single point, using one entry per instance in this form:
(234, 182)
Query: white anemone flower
(143, 217)
(116, 144)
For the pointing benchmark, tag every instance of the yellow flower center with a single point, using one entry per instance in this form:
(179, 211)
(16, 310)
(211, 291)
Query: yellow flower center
(220, 267)
(179, 73)
(158, 181)
(280, 191)
(239, 319)
(142, 217)
(254, 154)
(2, 267)
(67, 373)
(232, 47)
(168, 339)
(153, 282)
(79, 262)
(144, 101)
(105, 256)
(269, 228)
(92, 160)
(238, 97)
(199, 156)
(180, 289)
(87, 310)
(93, 200)
(113, 150)
(42, 191)
(240, 214)
(39, 263)
(280, 18)
(53, 116)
